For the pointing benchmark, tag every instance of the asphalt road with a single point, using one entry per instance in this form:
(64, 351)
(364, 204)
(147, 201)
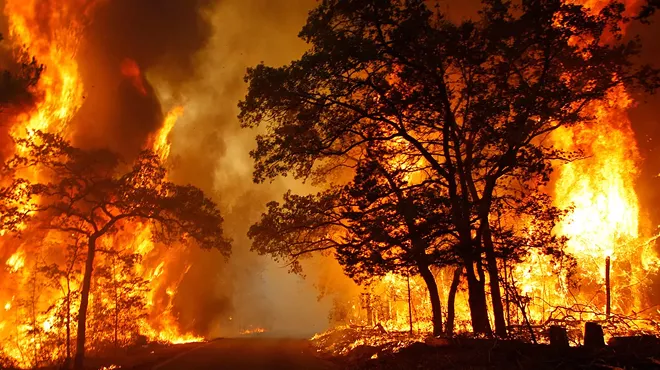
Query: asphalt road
(248, 354)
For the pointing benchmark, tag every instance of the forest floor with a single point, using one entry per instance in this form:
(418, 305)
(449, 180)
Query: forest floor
(140, 357)
(245, 353)
(481, 354)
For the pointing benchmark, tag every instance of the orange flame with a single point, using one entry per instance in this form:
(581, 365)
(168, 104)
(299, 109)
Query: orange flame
(604, 220)
(60, 87)
(52, 30)
(160, 141)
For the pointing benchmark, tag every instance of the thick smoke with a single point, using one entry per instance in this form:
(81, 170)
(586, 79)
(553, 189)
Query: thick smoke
(149, 34)
(212, 149)
(140, 59)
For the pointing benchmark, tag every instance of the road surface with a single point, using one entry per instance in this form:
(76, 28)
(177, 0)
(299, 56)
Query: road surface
(247, 354)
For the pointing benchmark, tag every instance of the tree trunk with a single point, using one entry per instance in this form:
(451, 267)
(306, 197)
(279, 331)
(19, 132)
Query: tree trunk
(494, 282)
(451, 299)
(68, 322)
(477, 301)
(33, 305)
(436, 306)
(558, 337)
(114, 283)
(410, 319)
(593, 335)
(84, 300)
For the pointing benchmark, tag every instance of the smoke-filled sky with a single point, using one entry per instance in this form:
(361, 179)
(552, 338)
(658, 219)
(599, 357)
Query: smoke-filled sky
(194, 53)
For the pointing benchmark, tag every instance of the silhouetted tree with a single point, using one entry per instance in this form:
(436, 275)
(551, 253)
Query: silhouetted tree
(474, 101)
(380, 222)
(16, 81)
(88, 193)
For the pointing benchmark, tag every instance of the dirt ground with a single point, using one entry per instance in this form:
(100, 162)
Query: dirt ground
(509, 355)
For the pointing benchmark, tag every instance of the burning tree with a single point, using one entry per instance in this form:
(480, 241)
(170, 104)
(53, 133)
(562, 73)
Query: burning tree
(473, 102)
(90, 194)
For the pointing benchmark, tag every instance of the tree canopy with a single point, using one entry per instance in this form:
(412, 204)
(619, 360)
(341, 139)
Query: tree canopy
(472, 104)
(92, 193)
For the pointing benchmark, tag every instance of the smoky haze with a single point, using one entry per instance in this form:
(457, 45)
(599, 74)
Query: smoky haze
(194, 53)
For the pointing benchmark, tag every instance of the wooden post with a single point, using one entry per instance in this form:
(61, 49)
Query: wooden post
(607, 288)
(593, 335)
(558, 337)
(410, 320)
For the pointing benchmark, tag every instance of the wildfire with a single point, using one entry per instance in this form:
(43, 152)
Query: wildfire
(60, 88)
(603, 229)
(31, 330)
(16, 261)
(604, 220)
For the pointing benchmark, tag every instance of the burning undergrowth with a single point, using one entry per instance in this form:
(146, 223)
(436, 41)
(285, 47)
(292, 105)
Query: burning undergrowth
(359, 341)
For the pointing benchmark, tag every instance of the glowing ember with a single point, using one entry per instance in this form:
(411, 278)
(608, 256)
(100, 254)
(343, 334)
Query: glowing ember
(253, 331)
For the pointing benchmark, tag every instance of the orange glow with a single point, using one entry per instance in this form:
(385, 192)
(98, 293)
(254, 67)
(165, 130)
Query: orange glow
(253, 331)
(60, 88)
(16, 261)
(131, 70)
(604, 222)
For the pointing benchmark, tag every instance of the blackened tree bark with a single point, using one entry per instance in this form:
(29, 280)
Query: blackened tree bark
(477, 298)
(494, 282)
(434, 296)
(79, 360)
(451, 300)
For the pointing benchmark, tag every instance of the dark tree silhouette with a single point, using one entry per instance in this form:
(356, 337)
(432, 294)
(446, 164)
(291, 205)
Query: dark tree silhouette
(16, 82)
(90, 194)
(474, 100)
(379, 222)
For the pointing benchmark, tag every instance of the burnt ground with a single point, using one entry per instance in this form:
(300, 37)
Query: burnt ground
(491, 354)
(249, 353)
(255, 353)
